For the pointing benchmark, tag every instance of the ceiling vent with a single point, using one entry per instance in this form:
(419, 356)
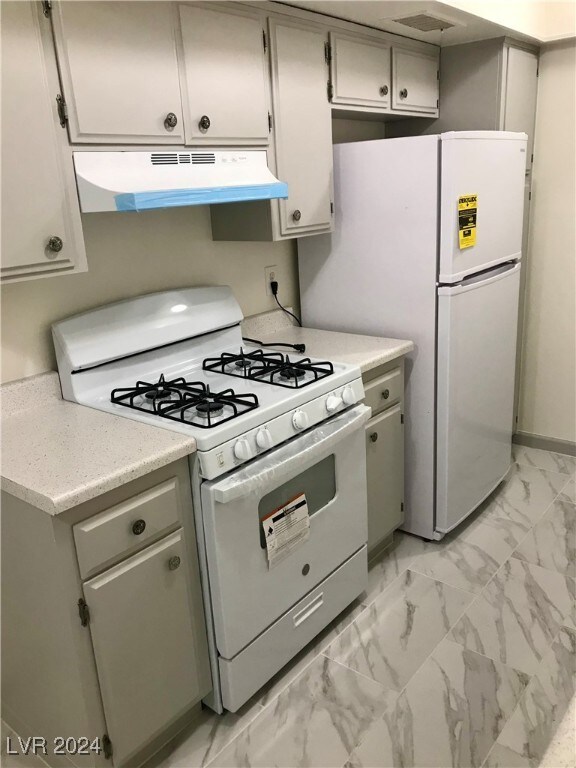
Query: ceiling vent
(425, 22)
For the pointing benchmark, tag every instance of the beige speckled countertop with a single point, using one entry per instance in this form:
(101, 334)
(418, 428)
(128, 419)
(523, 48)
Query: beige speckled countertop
(57, 454)
(365, 351)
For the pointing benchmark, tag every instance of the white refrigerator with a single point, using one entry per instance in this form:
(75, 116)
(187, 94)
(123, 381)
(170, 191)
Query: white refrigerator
(427, 247)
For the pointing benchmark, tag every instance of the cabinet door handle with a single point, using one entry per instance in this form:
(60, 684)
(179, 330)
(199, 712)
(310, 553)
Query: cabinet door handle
(297, 215)
(404, 93)
(374, 436)
(174, 563)
(384, 90)
(170, 121)
(138, 527)
(386, 394)
(204, 123)
(55, 244)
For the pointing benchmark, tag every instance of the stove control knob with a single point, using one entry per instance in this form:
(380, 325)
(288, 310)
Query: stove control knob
(264, 439)
(333, 402)
(300, 420)
(242, 449)
(348, 396)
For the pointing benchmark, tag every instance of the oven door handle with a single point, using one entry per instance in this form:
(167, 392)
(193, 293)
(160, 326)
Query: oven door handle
(286, 459)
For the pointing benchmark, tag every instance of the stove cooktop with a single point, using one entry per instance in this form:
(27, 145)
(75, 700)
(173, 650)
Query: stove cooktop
(188, 402)
(270, 367)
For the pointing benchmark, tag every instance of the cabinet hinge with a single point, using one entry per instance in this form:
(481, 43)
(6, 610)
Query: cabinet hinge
(532, 158)
(402, 506)
(529, 195)
(437, 103)
(331, 207)
(264, 41)
(62, 110)
(83, 612)
(437, 74)
(538, 72)
(107, 746)
(327, 53)
(47, 7)
(401, 418)
(330, 90)
(269, 123)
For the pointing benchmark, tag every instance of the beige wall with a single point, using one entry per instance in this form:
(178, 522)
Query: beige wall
(546, 20)
(131, 254)
(548, 377)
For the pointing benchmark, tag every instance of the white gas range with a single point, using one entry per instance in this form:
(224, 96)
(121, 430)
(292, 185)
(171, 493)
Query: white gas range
(278, 479)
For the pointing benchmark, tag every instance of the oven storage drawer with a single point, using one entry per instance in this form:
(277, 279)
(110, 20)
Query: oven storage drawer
(384, 391)
(328, 465)
(127, 527)
(243, 675)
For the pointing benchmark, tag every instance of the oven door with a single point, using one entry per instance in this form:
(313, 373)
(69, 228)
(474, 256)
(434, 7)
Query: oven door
(328, 465)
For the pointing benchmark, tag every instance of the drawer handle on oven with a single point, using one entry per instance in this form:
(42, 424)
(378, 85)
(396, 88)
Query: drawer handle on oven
(311, 608)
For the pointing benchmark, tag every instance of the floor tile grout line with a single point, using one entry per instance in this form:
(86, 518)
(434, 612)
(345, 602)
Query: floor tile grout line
(523, 694)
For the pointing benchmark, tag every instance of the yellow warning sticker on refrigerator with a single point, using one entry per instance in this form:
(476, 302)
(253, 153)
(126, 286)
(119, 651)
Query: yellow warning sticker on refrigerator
(467, 213)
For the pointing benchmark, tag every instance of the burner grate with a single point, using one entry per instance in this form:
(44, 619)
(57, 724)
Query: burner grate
(272, 367)
(188, 402)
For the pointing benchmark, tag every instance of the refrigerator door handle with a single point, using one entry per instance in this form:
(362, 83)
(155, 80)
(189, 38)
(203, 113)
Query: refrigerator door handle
(480, 280)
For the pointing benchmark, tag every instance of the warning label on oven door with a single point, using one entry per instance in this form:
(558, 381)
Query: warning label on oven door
(286, 528)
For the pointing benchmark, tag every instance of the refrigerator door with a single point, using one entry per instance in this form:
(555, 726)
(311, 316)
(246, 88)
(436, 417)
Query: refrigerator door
(376, 274)
(490, 164)
(476, 357)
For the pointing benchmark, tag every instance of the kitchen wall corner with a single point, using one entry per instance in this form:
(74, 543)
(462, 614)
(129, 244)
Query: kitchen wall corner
(131, 254)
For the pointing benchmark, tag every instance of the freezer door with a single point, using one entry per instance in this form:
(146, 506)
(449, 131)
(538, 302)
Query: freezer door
(476, 359)
(490, 164)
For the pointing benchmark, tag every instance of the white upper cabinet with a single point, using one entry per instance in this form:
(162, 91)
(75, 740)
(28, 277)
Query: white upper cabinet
(303, 127)
(360, 71)
(119, 71)
(224, 76)
(415, 80)
(519, 94)
(41, 229)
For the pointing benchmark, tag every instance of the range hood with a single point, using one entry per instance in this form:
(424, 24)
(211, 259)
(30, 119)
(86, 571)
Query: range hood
(140, 181)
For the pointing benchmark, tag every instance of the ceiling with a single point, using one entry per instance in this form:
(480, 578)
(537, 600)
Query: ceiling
(383, 14)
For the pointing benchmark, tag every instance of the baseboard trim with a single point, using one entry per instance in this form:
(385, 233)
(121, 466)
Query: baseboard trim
(567, 447)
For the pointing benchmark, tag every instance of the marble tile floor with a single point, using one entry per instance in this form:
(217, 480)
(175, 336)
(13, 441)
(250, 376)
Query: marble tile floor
(460, 652)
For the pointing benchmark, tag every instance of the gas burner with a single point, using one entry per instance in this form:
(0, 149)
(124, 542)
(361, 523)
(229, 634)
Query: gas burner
(189, 402)
(209, 408)
(290, 372)
(271, 367)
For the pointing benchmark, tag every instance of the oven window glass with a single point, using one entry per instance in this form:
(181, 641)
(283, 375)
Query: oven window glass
(317, 482)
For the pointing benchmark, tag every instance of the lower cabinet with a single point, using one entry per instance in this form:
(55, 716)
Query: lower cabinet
(144, 643)
(385, 453)
(110, 647)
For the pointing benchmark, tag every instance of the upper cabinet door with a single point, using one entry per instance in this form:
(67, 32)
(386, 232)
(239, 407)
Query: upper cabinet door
(41, 229)
(520, 95)
(303, 127)
(415, 80)
(119, 71)
(224, 83)
(360, 71)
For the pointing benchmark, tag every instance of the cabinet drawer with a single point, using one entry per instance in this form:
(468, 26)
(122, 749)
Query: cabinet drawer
(384, 391)
(127, 527)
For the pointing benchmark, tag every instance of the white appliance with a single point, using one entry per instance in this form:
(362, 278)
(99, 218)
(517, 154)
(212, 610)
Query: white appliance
(139, 181)
(394, 266)
(269, 428)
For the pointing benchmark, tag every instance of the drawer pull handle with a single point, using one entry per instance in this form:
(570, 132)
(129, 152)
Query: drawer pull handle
(138, 527)
(386, 394)
(384, 90)
(174, 563)
(404, 93)
(55, 244)
(297, 215)
(374, 436)
(311, 608)
(204, 123)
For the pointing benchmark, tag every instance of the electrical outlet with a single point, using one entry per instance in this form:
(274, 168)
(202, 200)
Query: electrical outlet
(270, 274)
